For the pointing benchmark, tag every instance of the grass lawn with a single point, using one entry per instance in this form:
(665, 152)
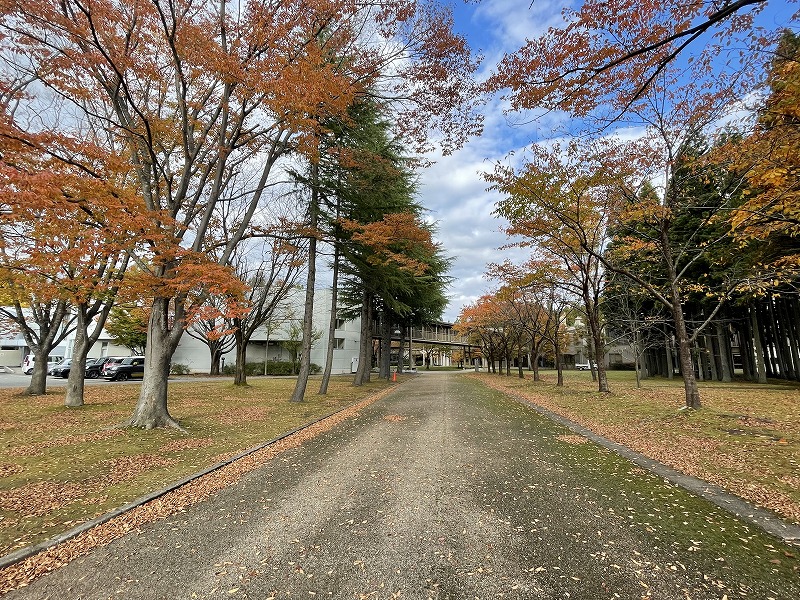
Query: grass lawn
(60, 466)
(746, 437)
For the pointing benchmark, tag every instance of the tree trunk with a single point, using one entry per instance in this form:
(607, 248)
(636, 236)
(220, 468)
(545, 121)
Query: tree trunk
(668, 356)
(782, 340)
(240, 373)
(637, 359)
(535, 347)
(326, 374)
(691, 392)
(559, 367)
(712, 356)
(723, 342)
(163, 335)
(769, 338)
(761, 369)
(793, 340)
(77, 369)
(365, 353)
(599, 353)
(701, 360)
(216, 358)
(311, 278)
(385, 346)
(590, 351)
(746, 349)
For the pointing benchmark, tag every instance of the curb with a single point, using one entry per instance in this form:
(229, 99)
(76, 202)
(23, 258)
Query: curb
(760, 517)
(19, 555)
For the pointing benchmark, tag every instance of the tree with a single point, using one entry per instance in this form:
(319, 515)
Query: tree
(485, 324)
(62, 264)
(127, 326)
(91, 315)
(193, 93)
(394, 264)
(215, 332)
(270, 276)
(529, 289)
(606, 57)
(362, 171)
(770, 157)
(676, 246)
(559, 204)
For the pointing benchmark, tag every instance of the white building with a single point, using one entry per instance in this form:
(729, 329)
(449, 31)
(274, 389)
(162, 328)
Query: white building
(266, 343)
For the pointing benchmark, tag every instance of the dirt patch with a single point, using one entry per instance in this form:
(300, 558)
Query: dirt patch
(7, 470)
(41, 498)
(129, 467)
(244, 413)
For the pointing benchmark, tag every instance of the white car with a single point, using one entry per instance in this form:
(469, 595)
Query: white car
(584, 366)
(27, 362)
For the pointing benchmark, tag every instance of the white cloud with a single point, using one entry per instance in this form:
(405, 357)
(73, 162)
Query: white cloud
(453, 188)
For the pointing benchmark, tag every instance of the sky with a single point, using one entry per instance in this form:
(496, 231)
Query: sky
(453, 189)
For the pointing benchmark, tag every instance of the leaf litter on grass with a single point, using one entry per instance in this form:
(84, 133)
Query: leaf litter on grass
(760, 464)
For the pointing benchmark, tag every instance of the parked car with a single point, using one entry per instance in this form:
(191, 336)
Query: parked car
(130, 368)
(585, 366)
(61, 369)
(30, 359)
(94, 366)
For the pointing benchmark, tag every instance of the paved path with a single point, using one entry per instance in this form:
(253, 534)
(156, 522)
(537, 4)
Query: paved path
(444, 489)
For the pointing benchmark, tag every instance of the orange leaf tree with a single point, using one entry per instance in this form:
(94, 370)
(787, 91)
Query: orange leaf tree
(195, 93)
(606, 56)
(559, 204)
(535, 292)
(61, 259)
(771, 157)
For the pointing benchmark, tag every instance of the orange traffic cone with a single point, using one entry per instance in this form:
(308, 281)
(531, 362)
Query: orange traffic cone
(394, 376)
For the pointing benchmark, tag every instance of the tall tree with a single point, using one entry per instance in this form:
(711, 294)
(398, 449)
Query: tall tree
(770, 156)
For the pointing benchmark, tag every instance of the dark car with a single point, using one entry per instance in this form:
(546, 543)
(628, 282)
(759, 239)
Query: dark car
(130, 368)
(94, 366)
(61, 369)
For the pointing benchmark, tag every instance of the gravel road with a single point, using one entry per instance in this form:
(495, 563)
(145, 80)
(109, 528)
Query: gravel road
(443, 489)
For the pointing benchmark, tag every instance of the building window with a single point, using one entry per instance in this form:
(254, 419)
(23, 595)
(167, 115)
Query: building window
(338, 343)
(340, 323)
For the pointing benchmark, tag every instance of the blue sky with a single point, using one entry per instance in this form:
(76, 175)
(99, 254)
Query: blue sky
(453, 189)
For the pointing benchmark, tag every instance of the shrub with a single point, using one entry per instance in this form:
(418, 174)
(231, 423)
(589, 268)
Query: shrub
(279, 367)
(179, 369)
(274, 367)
